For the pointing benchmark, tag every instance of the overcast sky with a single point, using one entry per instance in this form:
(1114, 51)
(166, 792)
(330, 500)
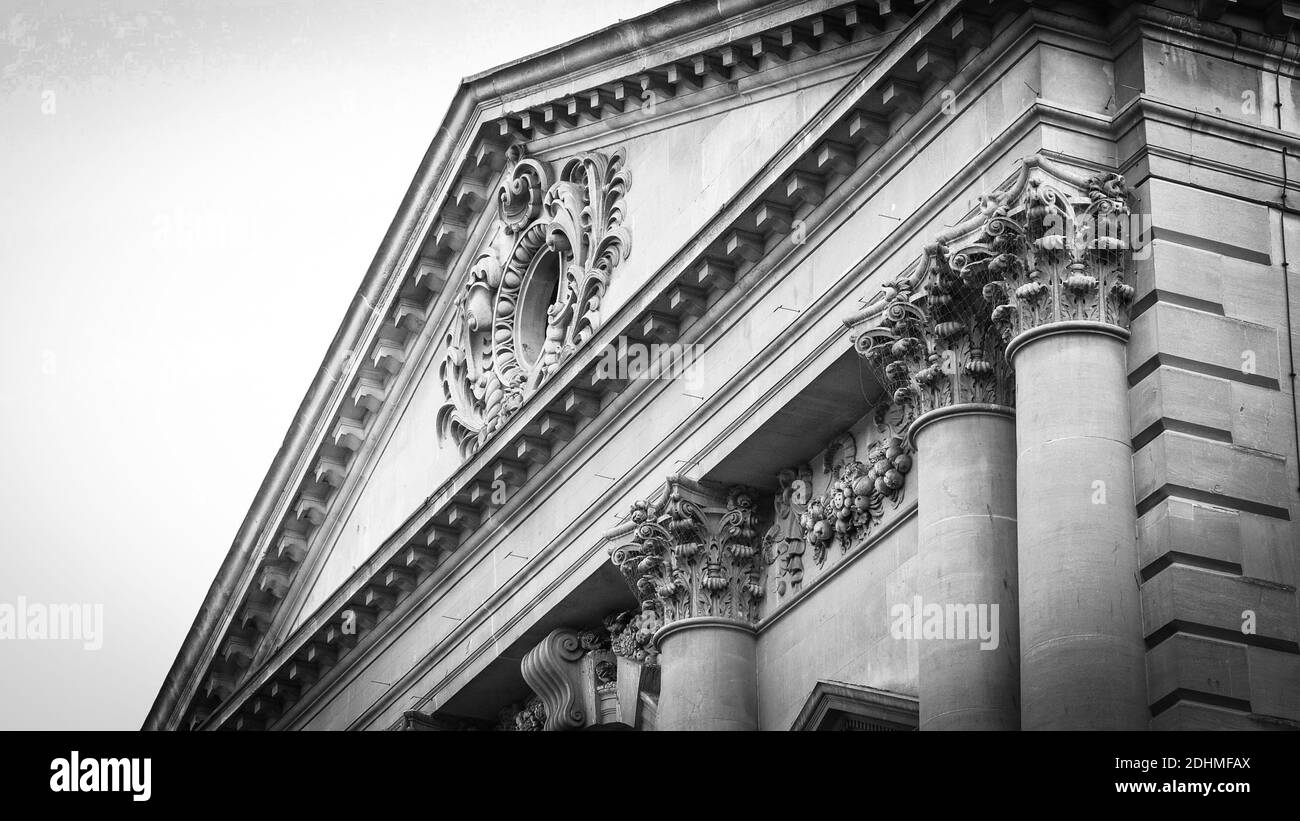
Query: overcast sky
(190, 194)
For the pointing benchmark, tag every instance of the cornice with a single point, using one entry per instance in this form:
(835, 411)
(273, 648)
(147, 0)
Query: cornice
(419, 358)
(480, 464)
(1256, 47)
(211, 648)
(1144, 108)
(1050, 113)
(585, 57)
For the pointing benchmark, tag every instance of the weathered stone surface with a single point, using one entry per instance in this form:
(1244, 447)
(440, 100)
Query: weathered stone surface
(1218, 469)
(1191, 595)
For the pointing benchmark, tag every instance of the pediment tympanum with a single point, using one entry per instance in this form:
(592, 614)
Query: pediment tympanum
(532, 297)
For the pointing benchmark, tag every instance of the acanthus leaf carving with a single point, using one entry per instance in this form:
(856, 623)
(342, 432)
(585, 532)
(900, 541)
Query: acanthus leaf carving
(519, 196)
(1053, 249)
(1050, 247)
(694, 554)
(938, 345)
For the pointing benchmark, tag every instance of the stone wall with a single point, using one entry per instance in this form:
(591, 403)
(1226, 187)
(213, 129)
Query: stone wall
(1214, 460)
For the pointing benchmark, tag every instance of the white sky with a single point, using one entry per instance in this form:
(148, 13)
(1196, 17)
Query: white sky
(190, 194)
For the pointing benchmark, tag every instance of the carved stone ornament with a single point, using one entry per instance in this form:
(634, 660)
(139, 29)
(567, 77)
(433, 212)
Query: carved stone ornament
(589, 677)
(533, 296)
(1052, 246)
(530, 717)
(787, 541)
(695, 554)
(851, 508)
(632, 632)
(552, 672)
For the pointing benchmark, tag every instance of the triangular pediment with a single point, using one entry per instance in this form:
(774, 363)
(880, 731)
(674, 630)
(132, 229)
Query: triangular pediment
(567, 240)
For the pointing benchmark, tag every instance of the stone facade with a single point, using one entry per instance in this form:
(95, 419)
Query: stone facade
(807, 365)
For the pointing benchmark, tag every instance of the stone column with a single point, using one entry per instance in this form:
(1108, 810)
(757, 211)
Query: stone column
(695, 559)
(1084, 664)
(936, 348)
(1058, 262)
(967, 526)
(709, 678)
(1046, 260)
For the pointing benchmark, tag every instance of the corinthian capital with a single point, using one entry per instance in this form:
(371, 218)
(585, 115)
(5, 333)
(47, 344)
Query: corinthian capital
(1052, 246)
(937, 345)
(694, 553)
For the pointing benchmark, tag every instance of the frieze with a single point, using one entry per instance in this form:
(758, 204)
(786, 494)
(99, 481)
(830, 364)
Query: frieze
(859, 493)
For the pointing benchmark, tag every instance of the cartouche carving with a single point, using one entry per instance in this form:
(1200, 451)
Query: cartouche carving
(509, 332)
